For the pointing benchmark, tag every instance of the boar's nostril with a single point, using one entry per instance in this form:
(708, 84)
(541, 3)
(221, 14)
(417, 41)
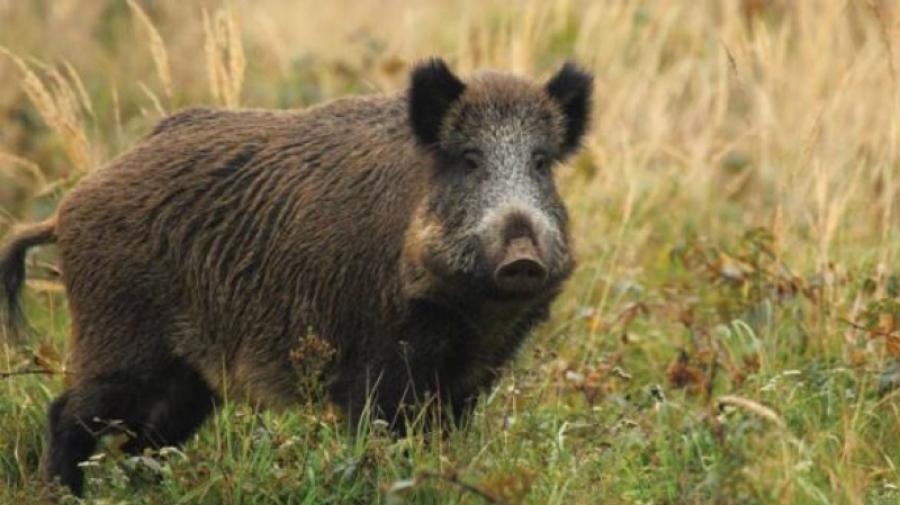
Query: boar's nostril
(520, 270)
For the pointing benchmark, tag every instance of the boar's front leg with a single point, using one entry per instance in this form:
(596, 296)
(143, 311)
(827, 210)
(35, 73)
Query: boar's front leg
(422, 377)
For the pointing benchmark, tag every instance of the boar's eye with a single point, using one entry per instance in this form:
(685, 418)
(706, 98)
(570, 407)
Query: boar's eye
(541, 162)
(472, 159)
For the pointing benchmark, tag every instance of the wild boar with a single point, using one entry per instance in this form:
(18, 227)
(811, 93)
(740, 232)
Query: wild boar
(419, 234)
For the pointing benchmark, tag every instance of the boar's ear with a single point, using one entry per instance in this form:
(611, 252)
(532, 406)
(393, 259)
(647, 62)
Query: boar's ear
(571, 88)
(433, 89)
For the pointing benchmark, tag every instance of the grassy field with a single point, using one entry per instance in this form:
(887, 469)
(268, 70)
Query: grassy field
(732, 333)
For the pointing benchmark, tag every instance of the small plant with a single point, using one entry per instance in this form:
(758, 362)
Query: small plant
(311, 360)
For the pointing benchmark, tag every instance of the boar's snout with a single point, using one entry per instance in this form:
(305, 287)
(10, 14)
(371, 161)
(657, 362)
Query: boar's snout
(516, 241)
(520, 270)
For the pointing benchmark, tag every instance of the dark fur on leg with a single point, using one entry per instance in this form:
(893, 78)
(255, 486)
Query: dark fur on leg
(160, 408)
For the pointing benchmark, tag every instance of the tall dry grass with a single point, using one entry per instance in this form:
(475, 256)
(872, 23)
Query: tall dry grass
(791, 113)
(711, 118)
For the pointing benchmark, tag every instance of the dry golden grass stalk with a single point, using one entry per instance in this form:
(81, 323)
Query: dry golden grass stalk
(153, 99)
(117, 113)
(225, 62)
(753, 407)
(58, 103)
(79, 87)
(45, 286)
(32, 168)
(157, 48)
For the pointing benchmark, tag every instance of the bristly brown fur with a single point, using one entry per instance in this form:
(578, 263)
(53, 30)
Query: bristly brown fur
(199, 260)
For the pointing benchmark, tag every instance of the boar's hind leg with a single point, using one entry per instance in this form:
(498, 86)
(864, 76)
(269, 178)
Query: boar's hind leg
(174, 415)
(160, 407)
(79, 417)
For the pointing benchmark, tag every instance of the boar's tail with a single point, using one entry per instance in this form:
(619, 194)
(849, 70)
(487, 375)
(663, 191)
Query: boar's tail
(12, 271)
